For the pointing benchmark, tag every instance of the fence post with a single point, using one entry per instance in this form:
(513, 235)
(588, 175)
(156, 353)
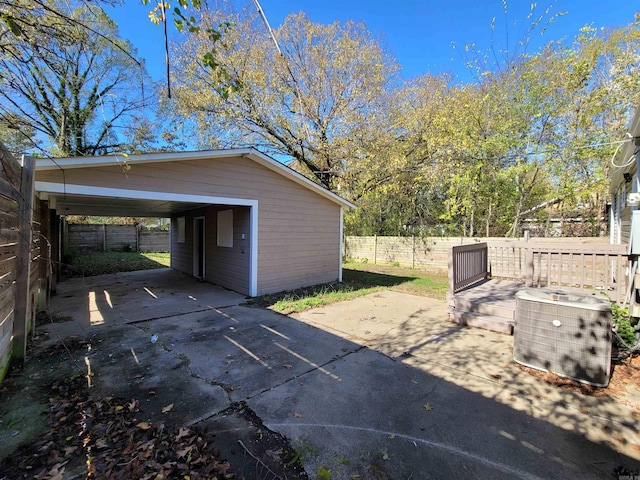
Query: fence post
(451, 264)
(23, 267)
(528, 266)
(413, 252)
(375, 249)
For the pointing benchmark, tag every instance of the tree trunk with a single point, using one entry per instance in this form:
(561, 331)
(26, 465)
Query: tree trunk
(489, 218)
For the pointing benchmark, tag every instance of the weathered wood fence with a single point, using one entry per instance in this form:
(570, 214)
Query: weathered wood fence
(104, 238)
(25, 257)
(433, 252)
(584, 267)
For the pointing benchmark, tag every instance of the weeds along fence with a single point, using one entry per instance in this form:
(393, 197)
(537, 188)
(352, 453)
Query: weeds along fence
(25, 256)
(86, 238)
(433, 252)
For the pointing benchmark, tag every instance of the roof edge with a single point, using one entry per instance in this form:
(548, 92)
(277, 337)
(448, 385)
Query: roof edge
(64, 163)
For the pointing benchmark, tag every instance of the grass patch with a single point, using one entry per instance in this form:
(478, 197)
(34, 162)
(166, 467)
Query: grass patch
(358, 280)
(91, 264)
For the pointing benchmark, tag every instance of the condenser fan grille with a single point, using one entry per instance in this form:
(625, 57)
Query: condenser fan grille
(565, 334)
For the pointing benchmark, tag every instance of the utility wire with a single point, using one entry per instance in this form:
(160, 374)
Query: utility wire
(286, 62)
(504, 157)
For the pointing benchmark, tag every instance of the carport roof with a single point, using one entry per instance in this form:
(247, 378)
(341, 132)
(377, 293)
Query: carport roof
(90, 202)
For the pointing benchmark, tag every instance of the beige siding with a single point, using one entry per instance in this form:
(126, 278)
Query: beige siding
(298, 237)
(228, 266)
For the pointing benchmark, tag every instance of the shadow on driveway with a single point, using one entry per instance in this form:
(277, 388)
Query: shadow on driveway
(384, 388)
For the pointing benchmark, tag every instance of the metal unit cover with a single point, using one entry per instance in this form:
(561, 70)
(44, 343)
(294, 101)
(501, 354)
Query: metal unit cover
(567, 334)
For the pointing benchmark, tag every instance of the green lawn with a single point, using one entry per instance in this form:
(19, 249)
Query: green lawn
(359, 279)
(91, 264)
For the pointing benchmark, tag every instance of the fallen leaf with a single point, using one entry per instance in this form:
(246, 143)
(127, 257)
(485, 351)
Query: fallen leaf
(182, 453)
(167, 408)
(143, 425)
(392, 436)
(297, 415)
(275, 454)
(428, 407)
(287, 366)
(184, 431)
(119, 408)
(70, 450)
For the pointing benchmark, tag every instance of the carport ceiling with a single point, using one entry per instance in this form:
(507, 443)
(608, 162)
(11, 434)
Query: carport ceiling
(67, 204)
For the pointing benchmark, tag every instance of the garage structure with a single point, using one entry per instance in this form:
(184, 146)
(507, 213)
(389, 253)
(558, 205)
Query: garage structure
(239, 218)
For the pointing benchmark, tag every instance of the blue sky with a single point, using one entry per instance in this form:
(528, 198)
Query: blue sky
(419, 34)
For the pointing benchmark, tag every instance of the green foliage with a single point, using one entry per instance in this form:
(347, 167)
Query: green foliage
(624, 327)
(91, 264)
(313, 104)
(357, 280)
(69, 83)
(324, 474)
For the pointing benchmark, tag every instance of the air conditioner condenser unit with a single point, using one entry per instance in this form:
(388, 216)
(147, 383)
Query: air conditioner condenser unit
(567, 334)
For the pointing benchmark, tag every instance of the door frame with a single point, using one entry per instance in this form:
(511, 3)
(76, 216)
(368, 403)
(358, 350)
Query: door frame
(199, 233)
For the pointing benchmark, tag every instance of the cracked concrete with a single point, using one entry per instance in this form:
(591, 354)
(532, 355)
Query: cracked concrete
(380, 387)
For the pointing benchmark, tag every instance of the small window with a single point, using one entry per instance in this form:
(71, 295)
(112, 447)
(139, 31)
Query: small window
(180, 235)
(225, 228)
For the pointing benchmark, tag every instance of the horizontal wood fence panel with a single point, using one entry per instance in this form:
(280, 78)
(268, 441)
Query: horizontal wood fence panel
(86, 238)
(153, 241)
(10, 175)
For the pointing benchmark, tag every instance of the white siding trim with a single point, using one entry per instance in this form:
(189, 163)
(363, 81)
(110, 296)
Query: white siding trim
(70, 189)
(253, 251)
(53, 187)
(340, 246)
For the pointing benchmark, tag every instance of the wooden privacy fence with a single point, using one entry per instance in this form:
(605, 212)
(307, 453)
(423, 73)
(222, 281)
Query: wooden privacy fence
(104, 238)
(431, 252)
(585, 267)
(24, 256)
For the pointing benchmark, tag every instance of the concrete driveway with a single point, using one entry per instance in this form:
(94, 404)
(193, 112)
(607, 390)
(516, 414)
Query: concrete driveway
(381, 387)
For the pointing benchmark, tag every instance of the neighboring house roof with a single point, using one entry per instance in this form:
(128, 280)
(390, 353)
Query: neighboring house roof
(250, 153)
(626, 152)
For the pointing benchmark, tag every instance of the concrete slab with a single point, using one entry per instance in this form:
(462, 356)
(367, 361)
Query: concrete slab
(379, 387)
(389, 420)
(247, 350)
(134, 296)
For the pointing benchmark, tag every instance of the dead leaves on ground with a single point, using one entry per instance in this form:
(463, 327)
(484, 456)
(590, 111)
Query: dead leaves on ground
(112, 442)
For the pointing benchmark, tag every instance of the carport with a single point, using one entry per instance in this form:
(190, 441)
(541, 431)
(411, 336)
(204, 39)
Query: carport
(239, 218)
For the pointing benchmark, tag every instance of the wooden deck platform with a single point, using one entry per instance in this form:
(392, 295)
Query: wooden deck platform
(490, 305)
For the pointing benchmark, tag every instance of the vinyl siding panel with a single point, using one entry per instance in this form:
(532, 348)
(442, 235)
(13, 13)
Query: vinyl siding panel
(298, 230)
(228, 266)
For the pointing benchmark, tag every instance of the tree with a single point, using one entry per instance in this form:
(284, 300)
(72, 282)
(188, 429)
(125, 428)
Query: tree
(76, 89)
(312, 104)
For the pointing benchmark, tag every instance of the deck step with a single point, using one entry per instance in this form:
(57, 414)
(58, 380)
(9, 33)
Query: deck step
(495, 309)
(481, 320)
